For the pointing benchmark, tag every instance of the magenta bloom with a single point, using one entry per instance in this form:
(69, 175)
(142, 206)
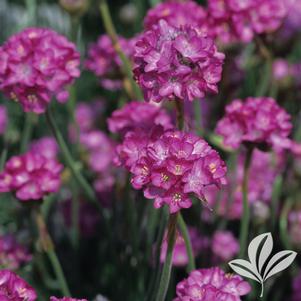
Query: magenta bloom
(176, 63)
(238, 21)
(224, 245)
(12, 287)
(281, 69)
(66, 299)
(31, 176)
(47, 146)
(37, 64)
(260, 121)
(170, 165)
(176, 13)
(105, 62)
(211, 284)
(12, 254)
(138, 115)
(3, 119)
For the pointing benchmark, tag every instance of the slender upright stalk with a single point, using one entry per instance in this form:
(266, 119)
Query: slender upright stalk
(69, 160)
(185, 234)
(166, 272)
(111, 31)
(244, 226)
(27, 131)
(48, 247)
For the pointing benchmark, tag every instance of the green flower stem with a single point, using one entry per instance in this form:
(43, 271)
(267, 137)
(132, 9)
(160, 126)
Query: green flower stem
(111, 31)
(27, 131)
(185, 234)
(48, 247)
(166, 272)
(3, 156)
(69, 160)
(283, 224)
(180, 114)
(198, 117)
(244, 226)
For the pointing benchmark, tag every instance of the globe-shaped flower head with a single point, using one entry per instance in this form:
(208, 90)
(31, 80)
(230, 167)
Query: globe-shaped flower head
(36, 65)
(176, 63)
(258, 121)
(171, 165)
(211, 284)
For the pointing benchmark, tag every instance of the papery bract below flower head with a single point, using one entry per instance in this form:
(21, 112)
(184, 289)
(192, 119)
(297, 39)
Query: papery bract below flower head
(31, 176)
(259, 121)
(138, 115)
(176, 13)
(37, 64)
(211, 284)
(177, 63)
(14, 288)
(170, 165)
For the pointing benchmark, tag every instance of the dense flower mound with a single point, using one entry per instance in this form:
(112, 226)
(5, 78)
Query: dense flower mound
(260, 121)
(12, 254)
(264, 169)
(37, 64)
(180, 63)
(3, 119)
(66, 299)
(180, 256)
(14, 288)
(176, 13)
(224, 245)
(138, 115)
(239, 21)
(211, 284)
(169, 165)
(105, 62)
(31, 176)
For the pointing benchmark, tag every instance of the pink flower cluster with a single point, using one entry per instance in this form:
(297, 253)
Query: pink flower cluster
(211, 284)
(239, 21)
(176, 13)
(66, 299)
(264, 169)
(37, 64)
(224, 245)
(47, 146)
(140, 115)
(3, 119)
(31, 176)
(180, 257)
(12, 287)
(12, 254)
(105, 62)
(98, 146)
(169, 165)
(259, 121)
(176, 63)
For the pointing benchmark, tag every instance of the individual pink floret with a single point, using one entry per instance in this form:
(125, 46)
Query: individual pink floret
(211, 284)
(176, 63)
(31, 176)
(170, 165)
(12, 287)
(36, 65)
(176, 13)
(259, 121)
(47, 146)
